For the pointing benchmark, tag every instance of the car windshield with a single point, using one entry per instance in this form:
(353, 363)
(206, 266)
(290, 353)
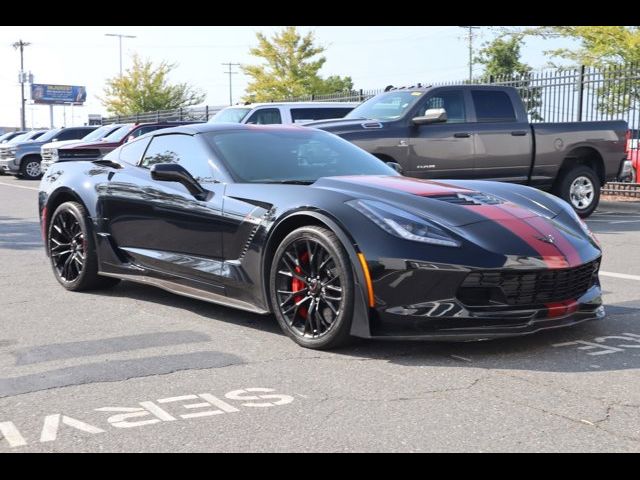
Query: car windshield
(45, 137)
(5, 136)
(20, 138)
(119, 134)
(291, 156)
(230, 115)
(386, 106)
(98, 133)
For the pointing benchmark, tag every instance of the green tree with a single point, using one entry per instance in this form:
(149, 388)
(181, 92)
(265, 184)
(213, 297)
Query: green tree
(145, 88)
(290, 68)
(501, 60)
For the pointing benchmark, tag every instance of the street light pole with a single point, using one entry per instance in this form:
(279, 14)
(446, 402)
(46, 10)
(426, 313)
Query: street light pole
(229, 64)
(120, 37)
(21, 44)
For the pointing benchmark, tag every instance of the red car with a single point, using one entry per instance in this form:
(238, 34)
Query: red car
(633, 154)
(96, 150)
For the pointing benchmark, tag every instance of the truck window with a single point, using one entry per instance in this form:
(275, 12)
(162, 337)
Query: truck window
(493, 106)
(452, 101)
(302, 115)
(265, 116)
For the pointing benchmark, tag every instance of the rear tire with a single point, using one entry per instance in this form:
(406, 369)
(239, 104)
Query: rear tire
(72, 250)
(30, 168)
(312, 289)
(580, 188)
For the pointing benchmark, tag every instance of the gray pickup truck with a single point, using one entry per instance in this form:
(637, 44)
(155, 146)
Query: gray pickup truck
(482, 132)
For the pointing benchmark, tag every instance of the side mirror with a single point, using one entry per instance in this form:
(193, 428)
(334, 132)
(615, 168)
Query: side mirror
(433, 115)
(396, 166)
(172, 172)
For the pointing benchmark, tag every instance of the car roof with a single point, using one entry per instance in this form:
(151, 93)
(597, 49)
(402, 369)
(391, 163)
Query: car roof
(198, 128)
(296, 104)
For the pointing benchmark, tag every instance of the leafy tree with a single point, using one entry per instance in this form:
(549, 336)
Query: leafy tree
(145, 88)
(501, 60)
(291, 68)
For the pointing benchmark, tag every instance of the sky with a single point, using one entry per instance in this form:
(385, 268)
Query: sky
(374, 57)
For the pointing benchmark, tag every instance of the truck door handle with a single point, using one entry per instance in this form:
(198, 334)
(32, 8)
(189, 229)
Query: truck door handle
(462, 135)
(519, 133)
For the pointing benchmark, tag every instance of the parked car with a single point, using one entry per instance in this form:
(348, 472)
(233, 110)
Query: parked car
(304, 224)
(482, 132)
(282, 112)
(10, 135)
(97, 149)
(26, 158)
(633, 155)
(8, 149)
(49, 151)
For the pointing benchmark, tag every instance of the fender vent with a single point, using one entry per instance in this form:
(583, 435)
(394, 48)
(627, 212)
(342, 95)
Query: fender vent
(469, 199)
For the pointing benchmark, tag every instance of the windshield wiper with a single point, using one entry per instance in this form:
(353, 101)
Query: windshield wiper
(290, 182)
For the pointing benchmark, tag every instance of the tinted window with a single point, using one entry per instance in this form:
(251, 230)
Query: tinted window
(119, 134)
(132, 152)
(182, 149)
(386, 106)
(493, 106)
(297, 154)
(99, 133)
(302, 115)
(265, 116)
(452, 101)
(231, 115)
(73, 134)
(47, 136)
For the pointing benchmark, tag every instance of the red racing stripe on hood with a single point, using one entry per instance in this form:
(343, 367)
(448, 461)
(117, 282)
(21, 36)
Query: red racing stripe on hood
(518, 225)
(423, 188)
(545, 227)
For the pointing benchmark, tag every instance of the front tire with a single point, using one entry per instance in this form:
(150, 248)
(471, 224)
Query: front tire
(30, 168)
(312, 289)
(580, 187)
(72, 249)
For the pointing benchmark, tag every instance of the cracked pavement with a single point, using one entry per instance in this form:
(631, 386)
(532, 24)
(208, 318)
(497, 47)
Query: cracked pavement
(73, 353)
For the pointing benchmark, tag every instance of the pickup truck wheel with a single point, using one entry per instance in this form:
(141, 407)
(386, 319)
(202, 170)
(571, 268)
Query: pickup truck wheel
(30, 169)
(580, 187)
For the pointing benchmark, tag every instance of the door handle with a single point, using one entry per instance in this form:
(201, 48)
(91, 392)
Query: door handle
(519, 133)
(462, 135)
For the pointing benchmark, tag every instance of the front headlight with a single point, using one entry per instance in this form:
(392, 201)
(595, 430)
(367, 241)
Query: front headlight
(403, 224)
(12, 151)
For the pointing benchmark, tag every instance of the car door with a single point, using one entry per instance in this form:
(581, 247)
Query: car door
(160, 225)
(445, 149)
(503, 140)
(265, 116)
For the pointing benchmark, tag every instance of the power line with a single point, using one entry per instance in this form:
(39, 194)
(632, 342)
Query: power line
(21, 44)
(470, 36)
(229, 72)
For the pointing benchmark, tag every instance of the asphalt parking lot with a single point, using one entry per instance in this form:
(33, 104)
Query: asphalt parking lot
(139, 369)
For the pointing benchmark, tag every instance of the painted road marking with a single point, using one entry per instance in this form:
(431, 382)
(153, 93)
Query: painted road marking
(620, 275)
(598, 344)
(19, 186)
(212, 405)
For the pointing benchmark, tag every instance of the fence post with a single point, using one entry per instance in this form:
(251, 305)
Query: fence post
(580, 93)
(361, 96)
(180, 114)
(137, 117)
(206, 112)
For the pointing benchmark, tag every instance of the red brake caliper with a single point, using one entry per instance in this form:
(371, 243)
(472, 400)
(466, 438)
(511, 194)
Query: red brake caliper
(297, 285)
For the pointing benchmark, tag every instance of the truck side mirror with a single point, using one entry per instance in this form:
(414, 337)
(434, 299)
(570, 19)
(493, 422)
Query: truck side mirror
(433, 115)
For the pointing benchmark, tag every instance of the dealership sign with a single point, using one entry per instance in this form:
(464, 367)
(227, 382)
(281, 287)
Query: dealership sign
(58, 94)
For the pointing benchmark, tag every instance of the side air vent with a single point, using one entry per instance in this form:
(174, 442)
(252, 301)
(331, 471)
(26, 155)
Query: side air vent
(372, 125)
(469, 199)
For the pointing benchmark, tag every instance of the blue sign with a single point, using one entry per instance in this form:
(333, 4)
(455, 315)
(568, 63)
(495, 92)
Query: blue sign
(51, 94)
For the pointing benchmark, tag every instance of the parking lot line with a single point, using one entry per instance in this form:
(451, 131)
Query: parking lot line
(620, 275)
(18, 186)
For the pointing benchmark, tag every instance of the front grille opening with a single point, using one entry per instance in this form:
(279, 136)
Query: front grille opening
(527, 288)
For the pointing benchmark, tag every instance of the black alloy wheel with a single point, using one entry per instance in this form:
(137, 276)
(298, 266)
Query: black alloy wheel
(71, 249)
(312, 288)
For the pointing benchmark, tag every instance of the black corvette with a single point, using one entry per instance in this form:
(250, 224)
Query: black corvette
(334, 242)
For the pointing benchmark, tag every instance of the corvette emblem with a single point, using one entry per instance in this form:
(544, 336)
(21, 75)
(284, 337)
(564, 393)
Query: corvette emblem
(547, 239)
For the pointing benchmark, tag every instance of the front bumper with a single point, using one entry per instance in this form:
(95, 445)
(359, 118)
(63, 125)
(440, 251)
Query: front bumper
(422, 304)
(8, 165)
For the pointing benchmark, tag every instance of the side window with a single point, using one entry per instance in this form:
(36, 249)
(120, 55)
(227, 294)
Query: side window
(265, 116)
(452, 101)
(132, 152)
(72, 134)
(493, 106)
(182, 149)
(303, 115)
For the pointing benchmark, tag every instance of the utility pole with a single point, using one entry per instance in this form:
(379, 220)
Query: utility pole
(120, 37)
(229, 72)
(21, 44)
(470, 36)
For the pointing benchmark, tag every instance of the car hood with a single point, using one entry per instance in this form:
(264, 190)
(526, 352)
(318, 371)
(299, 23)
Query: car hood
(61, 143)
(95, 145)
(451, 203)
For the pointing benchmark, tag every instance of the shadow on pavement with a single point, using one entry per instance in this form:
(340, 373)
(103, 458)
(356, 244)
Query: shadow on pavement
(19, 234)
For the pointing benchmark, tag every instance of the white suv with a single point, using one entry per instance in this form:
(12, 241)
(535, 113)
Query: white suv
(282, 112)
